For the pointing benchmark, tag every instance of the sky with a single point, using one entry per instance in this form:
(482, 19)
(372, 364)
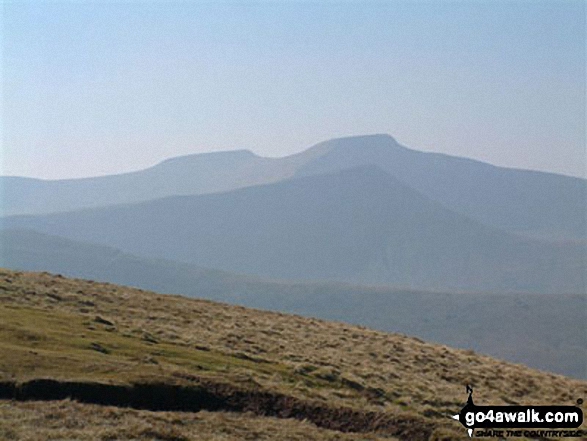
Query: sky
(94, 88)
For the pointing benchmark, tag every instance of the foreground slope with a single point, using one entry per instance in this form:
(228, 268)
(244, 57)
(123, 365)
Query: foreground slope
(119, 346)
(360, 226)
(69, 420)
(515, 326)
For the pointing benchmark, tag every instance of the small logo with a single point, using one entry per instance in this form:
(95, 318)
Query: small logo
(474, 417)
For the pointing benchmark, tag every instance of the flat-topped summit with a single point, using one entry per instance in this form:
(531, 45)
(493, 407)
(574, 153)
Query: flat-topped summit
(223, 155)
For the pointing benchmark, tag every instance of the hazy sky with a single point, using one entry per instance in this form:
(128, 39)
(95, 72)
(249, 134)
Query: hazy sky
(91, 88)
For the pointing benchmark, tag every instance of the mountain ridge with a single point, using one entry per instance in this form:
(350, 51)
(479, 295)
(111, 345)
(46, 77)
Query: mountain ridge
(509, 199)
(247, 152)
(531, 203)
(360, 225)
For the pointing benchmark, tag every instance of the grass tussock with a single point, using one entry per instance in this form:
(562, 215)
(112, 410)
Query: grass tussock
(68, 420)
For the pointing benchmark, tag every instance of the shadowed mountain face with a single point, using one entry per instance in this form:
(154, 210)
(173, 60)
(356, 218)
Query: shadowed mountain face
(532, 203)
(488, 323)
(535, 203)
(360, 226)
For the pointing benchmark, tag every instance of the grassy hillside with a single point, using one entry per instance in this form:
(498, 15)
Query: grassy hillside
(526, 332)
(107, 344)
(69, 420)
(359, 226)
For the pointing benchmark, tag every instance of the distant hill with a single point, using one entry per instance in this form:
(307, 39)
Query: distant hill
(33, 251)
(515, 327)
(360, 226)
(533, 203)
(212, 369)
(186, 175)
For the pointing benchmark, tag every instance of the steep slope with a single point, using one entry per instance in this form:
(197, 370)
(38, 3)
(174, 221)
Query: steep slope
(360, 226)
(535, 203)
(465, 321)
(121, 347)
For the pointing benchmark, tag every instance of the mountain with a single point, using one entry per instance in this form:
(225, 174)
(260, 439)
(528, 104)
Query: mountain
(186, 175)
(521, 201)
(467, 321)
(360, 226)
(109, 355)
(532, 203)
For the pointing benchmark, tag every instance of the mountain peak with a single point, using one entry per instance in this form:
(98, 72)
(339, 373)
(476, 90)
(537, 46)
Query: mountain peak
(358, 144)
(373, 137)
(379, 139)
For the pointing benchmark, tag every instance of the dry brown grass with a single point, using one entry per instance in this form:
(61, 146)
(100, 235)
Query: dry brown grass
(67, 420)
(157, 336)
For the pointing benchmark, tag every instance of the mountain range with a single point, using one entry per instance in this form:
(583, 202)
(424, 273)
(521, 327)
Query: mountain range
(529, 202)
(358, 225)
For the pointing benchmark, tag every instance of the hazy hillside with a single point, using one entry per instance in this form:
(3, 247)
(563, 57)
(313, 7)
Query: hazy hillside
(186, 175)
(540, 204)
(526, 332)
(535, 203)
(136, 351)
(361, 226)
(32, 251)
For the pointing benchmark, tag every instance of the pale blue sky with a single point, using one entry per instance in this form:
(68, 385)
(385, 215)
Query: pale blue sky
(105, 87)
